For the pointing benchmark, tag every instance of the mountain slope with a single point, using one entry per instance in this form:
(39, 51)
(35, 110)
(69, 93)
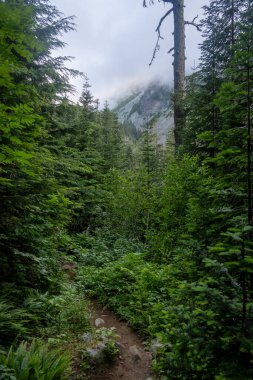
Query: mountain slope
(145, 104)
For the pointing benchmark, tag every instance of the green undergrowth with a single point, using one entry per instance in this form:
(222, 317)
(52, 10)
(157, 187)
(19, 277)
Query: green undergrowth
(102, 248)
(41, 334)
(193, 321)
(35, 361)
(129, 286)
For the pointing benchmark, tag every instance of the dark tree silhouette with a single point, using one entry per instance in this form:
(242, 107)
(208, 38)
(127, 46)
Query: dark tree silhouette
(177, 8)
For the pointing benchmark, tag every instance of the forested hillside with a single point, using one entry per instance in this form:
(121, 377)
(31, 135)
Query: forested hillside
(162, 238)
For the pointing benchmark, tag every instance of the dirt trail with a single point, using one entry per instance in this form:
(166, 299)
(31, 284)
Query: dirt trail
(132, 364)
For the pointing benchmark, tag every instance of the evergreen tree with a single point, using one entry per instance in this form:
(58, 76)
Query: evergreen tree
(149, 147)
(86, 98)
(34, 211)
(221, 28)
(110, 139)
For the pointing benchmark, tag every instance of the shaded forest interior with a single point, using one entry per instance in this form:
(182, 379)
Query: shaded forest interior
(87, 209)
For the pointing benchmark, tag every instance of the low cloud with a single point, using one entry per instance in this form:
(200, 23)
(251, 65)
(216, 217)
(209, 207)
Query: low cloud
(114, 43)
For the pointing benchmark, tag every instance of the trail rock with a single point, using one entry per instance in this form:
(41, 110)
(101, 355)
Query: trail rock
(99, 322)
(96, 355)
(101, 346)
(133, 364)
(120, 346)
(155, 345)
(87, 337)
(135, 352)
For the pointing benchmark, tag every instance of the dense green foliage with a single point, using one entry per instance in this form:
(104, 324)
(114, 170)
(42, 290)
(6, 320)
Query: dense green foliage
(33, 363)
(182, 291)
(192, 287)
(165, 241)
(52, 163)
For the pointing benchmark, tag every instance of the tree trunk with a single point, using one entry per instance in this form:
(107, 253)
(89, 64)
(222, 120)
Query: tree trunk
(179, 70)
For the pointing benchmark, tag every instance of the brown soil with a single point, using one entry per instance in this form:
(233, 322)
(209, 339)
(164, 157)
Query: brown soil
(127, 366)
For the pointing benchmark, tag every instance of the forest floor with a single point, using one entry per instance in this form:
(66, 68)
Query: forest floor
(133, 362)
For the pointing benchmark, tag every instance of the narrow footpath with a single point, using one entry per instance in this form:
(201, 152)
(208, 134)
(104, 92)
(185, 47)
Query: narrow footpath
(134, 362)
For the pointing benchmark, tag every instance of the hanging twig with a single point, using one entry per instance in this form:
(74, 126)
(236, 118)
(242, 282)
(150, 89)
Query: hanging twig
(159, 37)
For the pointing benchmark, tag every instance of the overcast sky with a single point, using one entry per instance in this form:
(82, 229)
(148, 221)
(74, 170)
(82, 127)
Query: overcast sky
(114, 43)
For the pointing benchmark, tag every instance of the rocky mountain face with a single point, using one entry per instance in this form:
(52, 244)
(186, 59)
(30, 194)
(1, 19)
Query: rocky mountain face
(139, 108)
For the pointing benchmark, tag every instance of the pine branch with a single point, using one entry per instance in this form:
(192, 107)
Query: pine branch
(159, 37)
(197, 26)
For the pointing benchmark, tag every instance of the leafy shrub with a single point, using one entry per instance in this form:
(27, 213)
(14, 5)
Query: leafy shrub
(129, 286)
(13, 322)
(33, 362)
(103, 248)
(186, 305)
(109, 337)
(65, 313)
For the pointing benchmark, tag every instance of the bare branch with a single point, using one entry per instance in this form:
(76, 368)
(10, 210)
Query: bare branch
(197, 26)
(152, 2)
(171, 50)
(159, 37)
(156, 49)
(145, 3)
(162, 20)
